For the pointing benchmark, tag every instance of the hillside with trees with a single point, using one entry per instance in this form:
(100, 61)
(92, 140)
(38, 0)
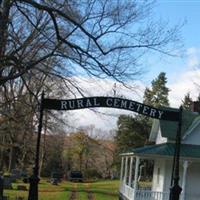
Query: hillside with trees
(78, 151)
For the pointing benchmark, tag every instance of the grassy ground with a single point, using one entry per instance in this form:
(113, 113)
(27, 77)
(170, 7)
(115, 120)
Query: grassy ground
(101, 190)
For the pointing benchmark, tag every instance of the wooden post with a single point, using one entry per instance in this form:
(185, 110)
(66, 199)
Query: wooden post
(185, 167)
(136, 176)
(122, 169)
(126, 170)
(130, 171)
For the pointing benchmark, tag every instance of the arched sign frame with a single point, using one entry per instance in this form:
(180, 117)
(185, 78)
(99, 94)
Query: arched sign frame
(109, 102)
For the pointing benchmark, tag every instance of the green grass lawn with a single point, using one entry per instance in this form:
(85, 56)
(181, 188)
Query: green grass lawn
(102, 190)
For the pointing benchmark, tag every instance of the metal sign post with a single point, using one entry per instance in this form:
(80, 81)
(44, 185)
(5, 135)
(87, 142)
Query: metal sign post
(107, 102)
(34, 179)
(175, 190)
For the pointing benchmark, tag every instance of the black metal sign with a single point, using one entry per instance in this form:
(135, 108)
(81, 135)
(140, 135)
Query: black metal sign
(110, 102)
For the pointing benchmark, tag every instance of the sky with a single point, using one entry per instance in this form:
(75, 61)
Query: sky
(183, 73)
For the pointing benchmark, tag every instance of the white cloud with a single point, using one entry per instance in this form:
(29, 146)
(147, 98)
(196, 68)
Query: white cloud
(105, 87)
(103, 118)
(106, 119)
(188, 80)
(193, 59)
(184, 83)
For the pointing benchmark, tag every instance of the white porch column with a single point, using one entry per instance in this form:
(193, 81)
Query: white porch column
(130, 171)
(122, 169)
(126, 169)
(136, 177)
(185, 167)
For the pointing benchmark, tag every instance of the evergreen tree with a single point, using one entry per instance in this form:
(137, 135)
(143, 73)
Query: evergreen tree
(134, 131)
(155, 96)
(158, 94)
(130, 133)
(187, 102)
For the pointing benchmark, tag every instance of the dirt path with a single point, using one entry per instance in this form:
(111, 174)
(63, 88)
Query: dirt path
(90, 194)
(74, 192)
(73, 195)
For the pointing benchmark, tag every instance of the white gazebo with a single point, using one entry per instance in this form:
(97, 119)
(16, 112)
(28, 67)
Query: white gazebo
(163, 134)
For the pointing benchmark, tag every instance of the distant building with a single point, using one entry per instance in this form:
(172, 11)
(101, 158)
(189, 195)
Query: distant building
(163, 133)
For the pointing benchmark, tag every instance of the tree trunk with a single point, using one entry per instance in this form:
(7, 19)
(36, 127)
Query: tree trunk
(4, 19)
(81, 160)
(2, 154)
(12, 159)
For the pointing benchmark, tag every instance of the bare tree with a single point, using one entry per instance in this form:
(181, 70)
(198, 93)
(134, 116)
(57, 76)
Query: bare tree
(17, 112)
(19, 103)
(103, 38)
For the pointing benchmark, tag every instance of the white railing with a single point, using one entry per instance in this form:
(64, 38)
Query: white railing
(142, 194)
(151, 195)
(128, 192)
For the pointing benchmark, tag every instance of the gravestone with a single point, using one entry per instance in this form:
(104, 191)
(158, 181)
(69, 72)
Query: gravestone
(54, 181)
(7, 182)
(21, 187)
(15, 173)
